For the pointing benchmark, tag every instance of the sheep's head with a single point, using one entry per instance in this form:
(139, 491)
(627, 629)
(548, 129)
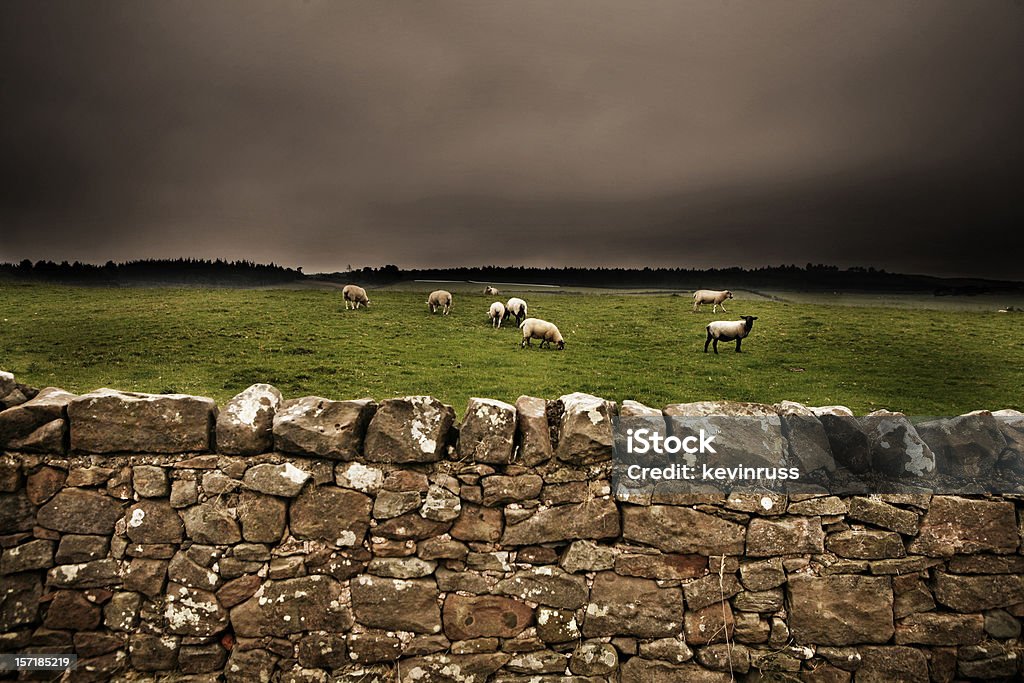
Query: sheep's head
(366, 302)
(728, 294)
(561, 345)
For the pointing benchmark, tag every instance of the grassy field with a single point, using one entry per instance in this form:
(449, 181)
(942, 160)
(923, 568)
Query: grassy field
(647, 347)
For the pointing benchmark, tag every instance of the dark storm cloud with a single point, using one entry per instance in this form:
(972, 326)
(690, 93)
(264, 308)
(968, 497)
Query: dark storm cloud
(662, 133)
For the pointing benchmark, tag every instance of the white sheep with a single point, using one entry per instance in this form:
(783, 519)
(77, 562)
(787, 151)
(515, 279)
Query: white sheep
(439, 299)
(729, 330)
(516, 307)
(710, 296)
(491, 291)
(497, 313)
(535, 328)
(354, 295)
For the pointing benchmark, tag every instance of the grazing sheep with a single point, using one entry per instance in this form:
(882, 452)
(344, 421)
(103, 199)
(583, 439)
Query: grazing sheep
(535, 328)
(354, 295)
(497, 313)
(729, 330)
(492, 291)
(516, 307)
(440, 299)
(710, 296)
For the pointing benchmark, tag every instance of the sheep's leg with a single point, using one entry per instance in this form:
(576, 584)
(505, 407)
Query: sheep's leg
(723, 307)
(706, 342)
(738, 341)
(715, 346)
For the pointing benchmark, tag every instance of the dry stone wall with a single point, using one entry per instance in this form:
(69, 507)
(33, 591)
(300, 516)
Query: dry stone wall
(319, 540)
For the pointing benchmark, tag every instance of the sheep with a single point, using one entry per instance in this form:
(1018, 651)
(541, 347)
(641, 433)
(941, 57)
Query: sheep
(516, 307)
(729, 330)
(497, 314)
(354, 295)
(439, 299)
(535, 328)
(710, 296)
(492, 291)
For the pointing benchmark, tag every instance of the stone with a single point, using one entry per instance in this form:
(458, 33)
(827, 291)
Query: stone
(79, 548)
(88, 476)
(547, 586)
(305, 603)
(212, 522)
(369, 647)
(443, 547)
(252, 666)
(411, 526)
(108, 421)
(184, 492)
(537, 662)
(759, 601)
(145, 576)
(591, 658)
(71, 611)
(682, 530)
(557, 625)
(956, 525)
(661, 566)
(785, 536)
(866, 544)
(79, 511)
(263, 518)
(95, 574)
(441, 505)
(912, 596)
(41, 485)
(95, 643)
(840, 610)
(150, 652)
(711, 624)
(410, 429)
(640, 670)
(360, 477)
(467, 617)
(121, 613)
(38, 425)
(488, 431)
(533, 432)
(389, 504)
(672, 650)
(317, 426)
(896, 448)
(986, 564)
(444, 668)
(408, 604)
(934, 628)
(19, 601)
(888, 664)
(332, 514)
(238, 590)
(594, 519)
(201, 659)
(1002, 625)
(401, 567)
(967, 447)
(629, 606)
(322, 650)
(763, 574)
(182, 570)
(499, 490)
(587, 556)
(153, 521)
(747, 434)
(193, 612)
(711, 589)
(847, 440)
(726, 657)
(1001, 665)
(585, 429)
(752, 629)
(884, 515)
(285, 480)
(809, 446)
(27, 557)
(217, 483)
(150, 481)
(478, 523)
(968, 593)
(246, 425)
(18, 514)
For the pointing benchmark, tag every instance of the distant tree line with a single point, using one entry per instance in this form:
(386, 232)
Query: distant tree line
(811, 276)
(162, 271)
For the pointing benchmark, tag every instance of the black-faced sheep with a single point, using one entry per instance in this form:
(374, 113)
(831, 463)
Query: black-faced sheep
(354, 295)
(440, 299)
(729, 330)
(492, 291)
(497, 313)
(710, 296)
(535, 328)
(516, 307)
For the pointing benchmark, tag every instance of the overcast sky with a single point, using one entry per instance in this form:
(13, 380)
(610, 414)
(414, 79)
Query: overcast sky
(694, 134)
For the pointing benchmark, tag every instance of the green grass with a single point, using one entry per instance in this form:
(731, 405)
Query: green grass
(648, 347)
